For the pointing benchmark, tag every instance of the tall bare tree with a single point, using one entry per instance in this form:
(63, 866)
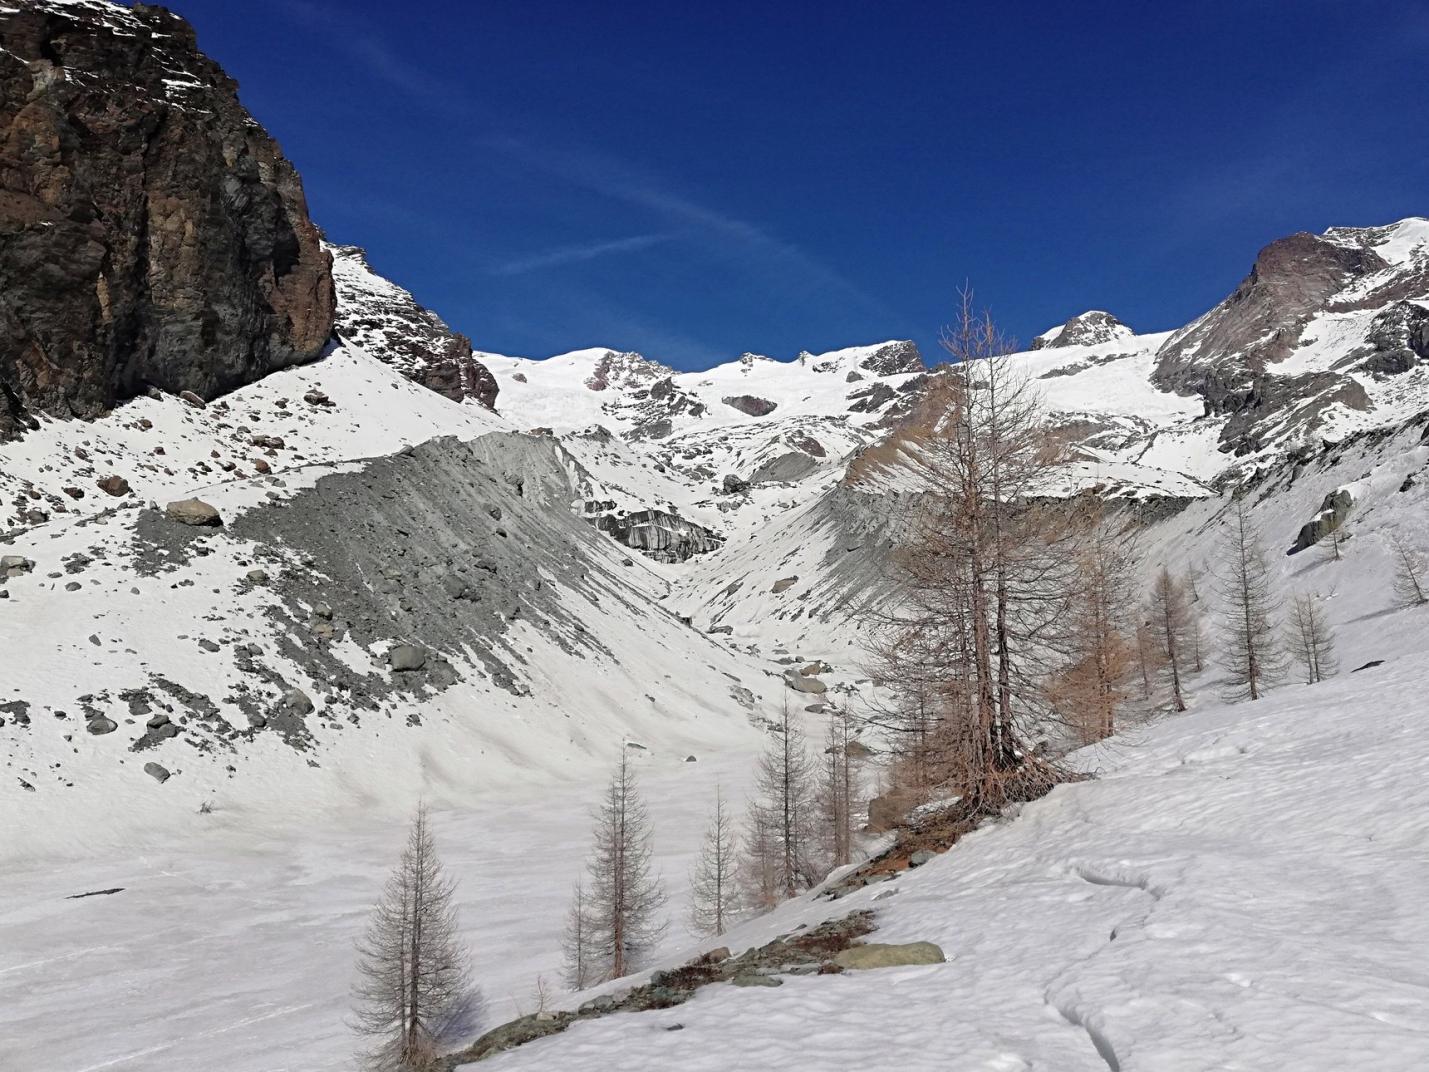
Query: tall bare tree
(838, 791)
(760, 854)
(1410, 587)
(784, 788)
(1249, 650)
(714, 890)
(989, 571)
(1090, 689)
(1310, 639)
(578, 942)
(1177, 634)
(411, 966)
(623, 895)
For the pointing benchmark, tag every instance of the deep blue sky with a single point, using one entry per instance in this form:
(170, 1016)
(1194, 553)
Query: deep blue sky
(693, 181)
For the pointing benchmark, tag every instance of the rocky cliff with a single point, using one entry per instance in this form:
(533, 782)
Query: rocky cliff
(151, 233)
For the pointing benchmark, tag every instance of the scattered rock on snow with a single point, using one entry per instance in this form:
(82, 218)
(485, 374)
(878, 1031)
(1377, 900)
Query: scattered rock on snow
(100, 726)
(155, 771)
(783, 584)
(113, 485)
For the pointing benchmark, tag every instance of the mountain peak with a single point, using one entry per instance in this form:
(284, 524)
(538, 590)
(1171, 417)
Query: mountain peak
(1091, 328)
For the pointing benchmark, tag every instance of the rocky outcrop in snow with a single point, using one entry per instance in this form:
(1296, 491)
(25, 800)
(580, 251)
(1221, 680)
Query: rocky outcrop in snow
(1087, 329)
(153, 234)
(389, 324)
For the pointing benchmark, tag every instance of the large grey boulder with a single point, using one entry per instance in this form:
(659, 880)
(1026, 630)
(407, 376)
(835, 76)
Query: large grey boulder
(1334, 510)
(101, 725)
(194, 512)
(297, 702)
(14, 565)
(405, 657)
(883, 955)
(155, 771)
(799, 683)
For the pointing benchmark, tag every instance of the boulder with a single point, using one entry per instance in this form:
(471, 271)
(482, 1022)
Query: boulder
(405, 657)
(799, 683)
(155, 771)
(256, 576)
(1333, 511)
(113, 485)
(751, 405)
(818, 666)
(921, 857)
(194, 512)
(193, 399)
(100, 726)
(756, 979)
(297, 702)
(783, 584)
(884, 955)
(734, 485)
(14, 565)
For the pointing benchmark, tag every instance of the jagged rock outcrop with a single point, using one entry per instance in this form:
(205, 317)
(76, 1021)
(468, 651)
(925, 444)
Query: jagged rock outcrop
(893, 359)
(389, 324)
(151, 233)
(1091, 328)
(661, 535)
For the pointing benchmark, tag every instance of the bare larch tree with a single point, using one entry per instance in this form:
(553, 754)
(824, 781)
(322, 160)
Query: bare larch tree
(1090, 689)
(989, 572)
(578, 942)
(1409, 575)
(1174, 626)
(784, 793)
(714, 891)
(622, 895)
(838, 791)
(411, 966)
(1309, 638)
(1248, 649)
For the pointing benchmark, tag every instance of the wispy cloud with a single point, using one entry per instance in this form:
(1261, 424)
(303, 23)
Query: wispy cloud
(364, 41)
(786, 265)
(588, 251)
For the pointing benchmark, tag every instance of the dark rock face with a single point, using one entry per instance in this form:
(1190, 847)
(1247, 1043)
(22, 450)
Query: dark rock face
(151, 233)
(660, 535)
(1087, 329)
(751, 405)
(390, 325)
(893, 359)
(1260, 323)
(1397, 340)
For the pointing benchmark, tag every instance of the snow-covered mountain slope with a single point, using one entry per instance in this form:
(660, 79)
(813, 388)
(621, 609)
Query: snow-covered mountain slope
(134, 639)
(1238, 888)
(412, 595)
